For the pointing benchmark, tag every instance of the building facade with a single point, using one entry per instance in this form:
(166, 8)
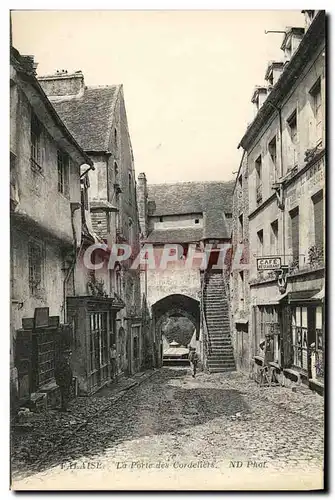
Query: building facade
(180, 220)
(285, 156)
(96, 116)
(45, 166)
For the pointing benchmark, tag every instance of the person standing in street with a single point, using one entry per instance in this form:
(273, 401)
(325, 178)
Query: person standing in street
(64, 377)
(193, 359)
(113, 356)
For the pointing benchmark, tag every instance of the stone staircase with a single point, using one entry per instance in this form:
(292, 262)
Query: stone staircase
(220, 355)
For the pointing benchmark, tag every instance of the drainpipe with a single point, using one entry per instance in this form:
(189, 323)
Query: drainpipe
(281, 173)
(74, 206)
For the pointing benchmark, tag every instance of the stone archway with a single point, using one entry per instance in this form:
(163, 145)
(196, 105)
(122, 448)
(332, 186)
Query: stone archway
(177, 306)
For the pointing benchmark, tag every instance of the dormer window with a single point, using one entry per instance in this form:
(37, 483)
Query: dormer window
(292, 39)
(309, 16)
(258, 97)
(273, 72)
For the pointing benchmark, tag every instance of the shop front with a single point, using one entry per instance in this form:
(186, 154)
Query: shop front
(303, 335)
(93, 320)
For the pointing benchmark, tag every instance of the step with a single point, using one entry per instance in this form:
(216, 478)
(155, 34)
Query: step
(221, 370)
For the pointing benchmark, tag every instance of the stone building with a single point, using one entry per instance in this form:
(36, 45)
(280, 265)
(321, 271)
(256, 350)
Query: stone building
(191, 215)
(285, 151)
(96, 116)
(46, 229)
(239, 276)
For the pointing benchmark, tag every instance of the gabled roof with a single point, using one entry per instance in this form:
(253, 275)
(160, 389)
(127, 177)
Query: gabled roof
(89, 116)
(190, 197)
(182, 235)
(211, 199)
(24, 65)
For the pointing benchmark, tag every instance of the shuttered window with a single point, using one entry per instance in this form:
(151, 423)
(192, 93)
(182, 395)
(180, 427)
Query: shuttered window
(318, 219)
(294, 214)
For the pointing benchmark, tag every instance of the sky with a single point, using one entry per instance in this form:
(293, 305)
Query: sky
(188, 76)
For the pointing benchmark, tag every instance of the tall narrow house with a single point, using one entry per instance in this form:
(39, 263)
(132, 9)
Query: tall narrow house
(96, 116)
(46, 229)
(285, 207)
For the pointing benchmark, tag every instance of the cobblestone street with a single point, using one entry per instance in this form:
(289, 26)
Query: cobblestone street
(172, 420)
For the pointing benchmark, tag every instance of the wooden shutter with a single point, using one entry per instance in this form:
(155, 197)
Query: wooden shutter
(318, 219)
(295, 233)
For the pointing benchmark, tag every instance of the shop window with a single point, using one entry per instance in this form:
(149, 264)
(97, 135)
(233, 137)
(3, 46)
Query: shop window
(299, 337)
(98, 346)
(319, 350)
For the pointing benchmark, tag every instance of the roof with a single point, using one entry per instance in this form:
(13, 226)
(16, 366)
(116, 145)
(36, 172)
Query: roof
(89, 116)
(294, 68)
(182, 235)
(190, 197)
(211, 199)
(25, 66)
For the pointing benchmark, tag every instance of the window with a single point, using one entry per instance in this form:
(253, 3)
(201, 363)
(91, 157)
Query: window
(228, 215)
(294, 215)
(35, 143)
(196, 221)
(258, 168)
(129, 188)
(241, 288)
(241, 235)
(131, 233)
(63, 172)
(274, 237)
(115, 137)
(260, 242)
(299, 337)
(161, 219)
(293, 132)
(292, 123)
(273, 153)
(317, 110)
(35, 263)
(240, 180)
(318, 220)
(98, 347)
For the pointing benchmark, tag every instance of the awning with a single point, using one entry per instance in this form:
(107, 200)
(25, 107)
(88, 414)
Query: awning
(301, 296)
(241, 321)
(320, 295)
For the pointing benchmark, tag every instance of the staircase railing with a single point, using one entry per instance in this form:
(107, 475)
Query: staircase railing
(207, 342)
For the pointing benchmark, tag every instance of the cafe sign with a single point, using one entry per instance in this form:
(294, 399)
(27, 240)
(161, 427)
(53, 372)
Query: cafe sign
(268, 263)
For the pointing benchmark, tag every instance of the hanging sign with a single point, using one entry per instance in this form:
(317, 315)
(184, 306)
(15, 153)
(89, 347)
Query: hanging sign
(268, 263)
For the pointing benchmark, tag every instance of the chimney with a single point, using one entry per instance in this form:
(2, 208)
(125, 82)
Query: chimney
(258, 98)
(273, 72)
(62, 83)
(291, 41)
(142, 202)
